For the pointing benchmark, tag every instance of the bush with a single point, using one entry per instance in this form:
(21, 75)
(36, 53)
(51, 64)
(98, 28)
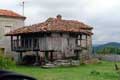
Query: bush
(94, 72)
(6, 62)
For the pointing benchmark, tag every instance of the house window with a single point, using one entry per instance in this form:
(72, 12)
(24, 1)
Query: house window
(7, 29)
(2, 50)
(83, 37)
(84, 41)
(81, 40)
(78, 40)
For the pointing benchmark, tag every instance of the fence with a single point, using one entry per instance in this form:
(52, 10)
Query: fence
(108, 57)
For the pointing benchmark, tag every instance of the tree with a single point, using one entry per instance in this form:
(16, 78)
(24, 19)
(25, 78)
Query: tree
(109, 50)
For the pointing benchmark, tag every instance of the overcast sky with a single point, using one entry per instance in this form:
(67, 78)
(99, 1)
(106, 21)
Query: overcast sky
(103, 15)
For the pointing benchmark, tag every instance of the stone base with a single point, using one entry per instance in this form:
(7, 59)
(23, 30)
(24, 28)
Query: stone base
(59, 63)
(49, 65)
(36, 64)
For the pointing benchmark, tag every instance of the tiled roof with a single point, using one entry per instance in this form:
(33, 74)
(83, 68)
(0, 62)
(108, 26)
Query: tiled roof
(9, 13)
(54, 25)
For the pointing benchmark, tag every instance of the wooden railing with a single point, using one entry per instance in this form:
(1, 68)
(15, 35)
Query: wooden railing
(43, 44)
(25, 44)
(36, 44)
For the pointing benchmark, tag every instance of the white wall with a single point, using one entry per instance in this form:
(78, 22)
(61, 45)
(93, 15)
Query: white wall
(14, 23)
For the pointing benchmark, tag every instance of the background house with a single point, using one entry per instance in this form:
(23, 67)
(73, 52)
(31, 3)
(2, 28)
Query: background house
(53, 39)
(9, 20)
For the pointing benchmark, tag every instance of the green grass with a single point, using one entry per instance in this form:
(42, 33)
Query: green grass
(102, 71)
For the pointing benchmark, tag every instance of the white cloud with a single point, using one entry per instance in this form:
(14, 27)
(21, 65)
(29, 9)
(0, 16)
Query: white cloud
(103, 15)
(97, 7)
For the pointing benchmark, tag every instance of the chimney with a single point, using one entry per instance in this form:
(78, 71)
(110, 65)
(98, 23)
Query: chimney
(59, 17)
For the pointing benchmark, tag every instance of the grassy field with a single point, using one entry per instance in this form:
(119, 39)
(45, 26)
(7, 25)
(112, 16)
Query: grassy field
(102, 71)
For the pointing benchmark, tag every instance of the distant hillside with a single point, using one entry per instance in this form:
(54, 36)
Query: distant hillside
(111, 44)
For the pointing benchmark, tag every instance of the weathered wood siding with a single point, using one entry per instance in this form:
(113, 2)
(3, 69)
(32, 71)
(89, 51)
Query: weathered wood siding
(64, 44)
(50, 43)
(54, 42)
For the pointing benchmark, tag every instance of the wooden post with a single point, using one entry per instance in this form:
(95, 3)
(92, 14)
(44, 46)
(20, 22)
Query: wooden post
(12, 43)
(31, 43)
(17, 41)
(51, 56)
(77, 55)
(86, 41)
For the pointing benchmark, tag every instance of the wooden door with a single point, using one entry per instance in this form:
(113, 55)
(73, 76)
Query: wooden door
(2, 50)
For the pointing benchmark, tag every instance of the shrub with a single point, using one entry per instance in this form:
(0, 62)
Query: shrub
(6, 62)
(94, 72)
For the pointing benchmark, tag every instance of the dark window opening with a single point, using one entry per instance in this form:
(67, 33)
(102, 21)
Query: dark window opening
(48, 34)
(61, 34)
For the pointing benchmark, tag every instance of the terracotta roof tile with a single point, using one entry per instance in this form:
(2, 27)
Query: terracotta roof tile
(9, 13)
(54, 25)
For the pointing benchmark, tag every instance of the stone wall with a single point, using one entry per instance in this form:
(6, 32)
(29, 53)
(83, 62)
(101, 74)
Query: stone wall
(108, 57)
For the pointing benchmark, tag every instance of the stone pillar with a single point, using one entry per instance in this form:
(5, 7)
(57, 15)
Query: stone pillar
(20, 58)
(37, 59)
(46, 56)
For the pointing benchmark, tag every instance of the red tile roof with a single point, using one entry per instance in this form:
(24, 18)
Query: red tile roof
(9, 13)
(54, 25)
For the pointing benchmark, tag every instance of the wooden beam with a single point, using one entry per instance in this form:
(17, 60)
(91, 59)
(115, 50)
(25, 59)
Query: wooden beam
(51, 56)
(17, 41)
(12, 43)
(86, 41)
